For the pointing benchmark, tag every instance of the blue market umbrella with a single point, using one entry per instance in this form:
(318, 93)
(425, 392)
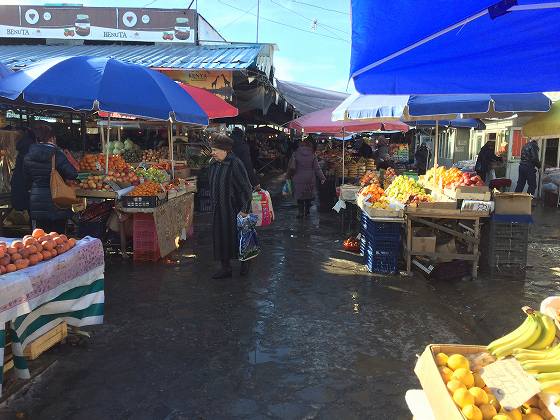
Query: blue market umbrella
(449, 46)
(458, 123)
(88, 84)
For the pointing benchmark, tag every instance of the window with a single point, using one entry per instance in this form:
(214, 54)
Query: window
(518, 142)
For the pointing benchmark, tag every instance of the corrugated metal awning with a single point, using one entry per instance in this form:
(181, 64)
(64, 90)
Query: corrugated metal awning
(231, 57)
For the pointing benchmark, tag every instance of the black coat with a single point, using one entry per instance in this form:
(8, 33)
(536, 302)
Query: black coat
(486, 157)
(231, 193)
(19, 190)
(530, 155)
(37, 172)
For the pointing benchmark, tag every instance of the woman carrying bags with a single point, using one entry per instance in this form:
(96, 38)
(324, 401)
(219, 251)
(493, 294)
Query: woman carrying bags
(38, 164)
(231, 193)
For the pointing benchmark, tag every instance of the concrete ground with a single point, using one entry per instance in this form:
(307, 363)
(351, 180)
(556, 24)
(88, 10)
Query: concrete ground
(309, 334)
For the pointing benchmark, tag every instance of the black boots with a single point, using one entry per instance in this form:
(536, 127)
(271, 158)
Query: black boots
(303, 208)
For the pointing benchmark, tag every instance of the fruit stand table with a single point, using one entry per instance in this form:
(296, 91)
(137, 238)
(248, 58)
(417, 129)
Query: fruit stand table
(67, 288)
(464, 232)
(173, 219)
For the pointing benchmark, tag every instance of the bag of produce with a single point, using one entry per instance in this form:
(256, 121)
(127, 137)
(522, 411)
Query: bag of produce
(287, 188)
(248, 242)
(261, 206)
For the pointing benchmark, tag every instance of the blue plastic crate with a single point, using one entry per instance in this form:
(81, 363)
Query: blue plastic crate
(383, 264)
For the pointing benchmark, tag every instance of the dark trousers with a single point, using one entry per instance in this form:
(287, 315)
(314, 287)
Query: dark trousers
(527, 175)
(304, 206)
(58, 226)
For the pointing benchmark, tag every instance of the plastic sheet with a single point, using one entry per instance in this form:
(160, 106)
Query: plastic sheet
(248, 242)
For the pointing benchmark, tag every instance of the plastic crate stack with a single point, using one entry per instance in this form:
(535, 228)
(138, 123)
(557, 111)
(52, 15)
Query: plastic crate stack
(380, 243)
(506, 241)
(145, 239)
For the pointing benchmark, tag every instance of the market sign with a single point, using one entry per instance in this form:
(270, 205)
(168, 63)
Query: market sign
(99, 23)
(219, 82)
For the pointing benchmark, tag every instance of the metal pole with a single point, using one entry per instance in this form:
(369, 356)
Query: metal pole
(170, 135)
(108, 140)
(436, 153)
(343, 154)
(258, 17)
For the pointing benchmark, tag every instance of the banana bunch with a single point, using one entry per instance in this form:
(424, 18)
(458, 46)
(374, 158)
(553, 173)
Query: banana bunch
(536, 333)
(544, 365)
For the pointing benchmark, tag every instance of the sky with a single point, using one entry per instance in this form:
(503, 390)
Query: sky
(312, 36)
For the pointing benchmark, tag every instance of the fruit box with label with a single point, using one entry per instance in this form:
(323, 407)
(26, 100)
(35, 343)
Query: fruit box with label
(436, 391)
(441, 400)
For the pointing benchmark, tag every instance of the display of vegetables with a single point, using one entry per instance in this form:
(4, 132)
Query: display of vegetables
(132, 156)
(125, 176)
(32, 250)
(370, 177)
(151, 155)
(95, 182)
(146, 189)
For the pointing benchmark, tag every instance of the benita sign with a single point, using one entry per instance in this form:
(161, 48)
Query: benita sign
(98, 23)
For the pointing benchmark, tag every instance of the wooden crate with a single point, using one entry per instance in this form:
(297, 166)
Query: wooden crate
(40, 345)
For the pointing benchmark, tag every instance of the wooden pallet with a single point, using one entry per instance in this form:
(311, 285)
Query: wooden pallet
(51, 338)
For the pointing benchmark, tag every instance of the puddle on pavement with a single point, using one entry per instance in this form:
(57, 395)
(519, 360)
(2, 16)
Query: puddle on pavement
(260, 355)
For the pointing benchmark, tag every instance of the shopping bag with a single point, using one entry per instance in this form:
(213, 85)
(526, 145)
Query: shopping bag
(63, 195)
(287, 188)
(248, 242)
(261, 205)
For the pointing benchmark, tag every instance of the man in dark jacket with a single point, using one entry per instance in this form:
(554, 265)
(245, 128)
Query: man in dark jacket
(243, 152)
(37, 175)
(19, 191)
(422, 156)
(528, 167)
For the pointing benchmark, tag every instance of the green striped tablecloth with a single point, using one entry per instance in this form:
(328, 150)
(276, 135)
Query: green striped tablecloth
(68, 288)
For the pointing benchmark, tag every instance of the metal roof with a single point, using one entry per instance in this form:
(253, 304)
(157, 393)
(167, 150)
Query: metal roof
(231, 57)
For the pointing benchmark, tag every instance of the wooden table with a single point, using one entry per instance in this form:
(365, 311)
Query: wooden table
(468, 234)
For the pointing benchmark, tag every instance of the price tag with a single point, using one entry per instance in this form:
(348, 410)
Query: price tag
(511, 385)
(98, 166)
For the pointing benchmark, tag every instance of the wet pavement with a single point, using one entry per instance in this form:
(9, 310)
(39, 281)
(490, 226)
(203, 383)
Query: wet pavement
(309, 334)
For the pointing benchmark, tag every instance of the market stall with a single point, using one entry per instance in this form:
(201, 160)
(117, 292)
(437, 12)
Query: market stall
(36, 298)
(442, 215)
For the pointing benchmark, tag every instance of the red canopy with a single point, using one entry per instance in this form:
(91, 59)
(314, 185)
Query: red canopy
(320, 122)
(212, 105)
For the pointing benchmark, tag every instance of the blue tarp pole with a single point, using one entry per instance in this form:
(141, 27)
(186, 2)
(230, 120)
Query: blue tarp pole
(343, 152)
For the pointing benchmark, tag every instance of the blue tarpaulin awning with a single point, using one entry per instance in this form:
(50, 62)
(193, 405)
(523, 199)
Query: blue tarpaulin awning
(458, 123)
(446, 46)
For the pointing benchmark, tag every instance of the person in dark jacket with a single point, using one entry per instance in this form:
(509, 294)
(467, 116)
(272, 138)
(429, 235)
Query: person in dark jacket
(37, 175)
(422, 156)
(486, 159)
(304, 170)
(19, 191)
(242, 150)
(528, 166)
(365, 150)
(231, 194)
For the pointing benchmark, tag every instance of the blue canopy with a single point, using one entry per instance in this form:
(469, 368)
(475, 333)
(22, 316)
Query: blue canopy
(104, 84)
(458, 123)
(4, 71)
(449, 46)
(420, 105)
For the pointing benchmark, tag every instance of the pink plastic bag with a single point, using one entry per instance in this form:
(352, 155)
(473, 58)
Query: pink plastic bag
(262, 206)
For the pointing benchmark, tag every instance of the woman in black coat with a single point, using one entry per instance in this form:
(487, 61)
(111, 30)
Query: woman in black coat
(19, 191)
(231, 193)
(37, 172)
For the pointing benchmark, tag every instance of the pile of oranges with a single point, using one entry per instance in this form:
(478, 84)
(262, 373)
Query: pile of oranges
(92, 163)
(32, 249)
(374, 191)
(146, 189)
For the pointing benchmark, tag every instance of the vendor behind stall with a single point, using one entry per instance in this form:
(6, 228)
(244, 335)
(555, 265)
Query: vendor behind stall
(486, 161)
(422, 157)
(365, 149)
(37, 176)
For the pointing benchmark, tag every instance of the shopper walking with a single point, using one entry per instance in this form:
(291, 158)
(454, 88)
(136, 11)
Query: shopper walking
(304, 170)
(242, 151)
(20, 191)
(486, 161)
(231, 193)
(38, 165)
(528, 168)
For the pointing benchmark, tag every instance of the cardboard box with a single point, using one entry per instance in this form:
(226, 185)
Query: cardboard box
(512, 203)
(424, 244)
(427, 372)
(469, 193)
